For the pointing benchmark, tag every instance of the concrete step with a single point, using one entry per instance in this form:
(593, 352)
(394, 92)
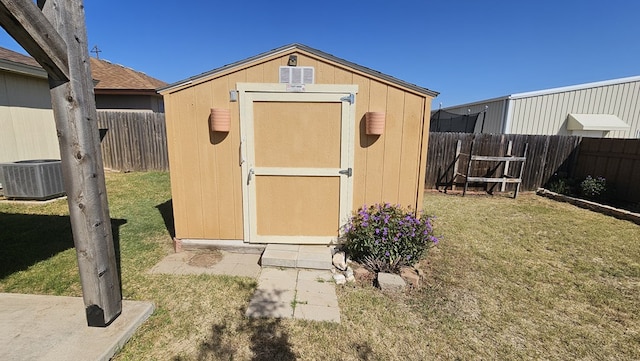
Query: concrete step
(297, 256)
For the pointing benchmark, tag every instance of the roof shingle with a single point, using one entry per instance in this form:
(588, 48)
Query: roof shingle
(114, 76)
(9, 55)
(109, 76)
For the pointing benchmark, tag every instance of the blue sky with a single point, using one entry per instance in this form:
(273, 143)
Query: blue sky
(467, 50)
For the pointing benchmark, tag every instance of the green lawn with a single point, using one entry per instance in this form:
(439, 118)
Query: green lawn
(511, 279)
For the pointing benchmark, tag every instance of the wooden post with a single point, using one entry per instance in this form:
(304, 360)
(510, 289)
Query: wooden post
(76, 122)
(505, 170)
(526, 149)
(466, 177)
(455, 165)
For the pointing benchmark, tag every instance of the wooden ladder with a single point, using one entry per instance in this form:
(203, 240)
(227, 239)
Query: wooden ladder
(503, 161)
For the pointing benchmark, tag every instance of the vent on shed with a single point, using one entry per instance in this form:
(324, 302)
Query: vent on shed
(32, 179)
(297, 74)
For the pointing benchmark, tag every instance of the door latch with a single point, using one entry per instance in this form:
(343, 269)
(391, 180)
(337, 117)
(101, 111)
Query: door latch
(251, 173)
(348, 172)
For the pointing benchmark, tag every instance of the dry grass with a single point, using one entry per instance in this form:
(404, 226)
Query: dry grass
(512, 279)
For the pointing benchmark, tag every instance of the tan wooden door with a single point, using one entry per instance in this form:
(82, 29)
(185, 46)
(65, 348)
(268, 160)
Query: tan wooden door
(297, 154)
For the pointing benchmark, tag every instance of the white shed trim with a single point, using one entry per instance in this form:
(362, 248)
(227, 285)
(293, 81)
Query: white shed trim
(600, 122)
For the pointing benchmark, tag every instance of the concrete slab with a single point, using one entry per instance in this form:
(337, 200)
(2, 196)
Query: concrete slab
(314, 257)
(279, 258)
(276, 279)
(317, 299)
(317, 313)
(52, 328)
(317, 287)
(232, 264)
(297, 256)
(268, 302)
(312, 292)
(315, 275)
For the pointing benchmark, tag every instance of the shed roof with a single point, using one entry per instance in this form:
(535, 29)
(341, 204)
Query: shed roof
(300, 47)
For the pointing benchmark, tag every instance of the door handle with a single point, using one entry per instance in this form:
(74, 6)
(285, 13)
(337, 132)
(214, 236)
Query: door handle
(251, 173)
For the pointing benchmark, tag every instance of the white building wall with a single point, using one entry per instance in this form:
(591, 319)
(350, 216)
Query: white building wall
(546, 112)
(27, 125)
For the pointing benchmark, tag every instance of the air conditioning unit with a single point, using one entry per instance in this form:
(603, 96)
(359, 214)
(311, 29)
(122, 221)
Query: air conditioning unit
(38, 179)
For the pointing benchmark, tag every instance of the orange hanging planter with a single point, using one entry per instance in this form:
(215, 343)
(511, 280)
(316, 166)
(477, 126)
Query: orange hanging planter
(220, 120)
(375, 123)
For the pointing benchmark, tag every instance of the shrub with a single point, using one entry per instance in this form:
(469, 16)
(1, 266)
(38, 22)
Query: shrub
(384, 237)
(593, 188)
(559, 183)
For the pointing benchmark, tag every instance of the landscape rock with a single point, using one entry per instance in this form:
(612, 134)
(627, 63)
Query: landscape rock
(339, 278)
(390, 282)
(411, 276)
(340, 260)
(363, 275)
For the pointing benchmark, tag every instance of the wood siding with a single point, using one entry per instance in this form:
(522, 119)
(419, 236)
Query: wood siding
(205, 167)
(27, 126)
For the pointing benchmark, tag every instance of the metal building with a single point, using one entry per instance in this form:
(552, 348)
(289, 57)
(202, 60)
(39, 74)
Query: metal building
(609, 109)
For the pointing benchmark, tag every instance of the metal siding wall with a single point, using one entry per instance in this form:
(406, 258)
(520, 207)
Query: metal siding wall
(547, 114)
(27, 126)
(493, 124)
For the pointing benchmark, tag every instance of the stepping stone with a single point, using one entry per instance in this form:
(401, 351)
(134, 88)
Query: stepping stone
(297, 256)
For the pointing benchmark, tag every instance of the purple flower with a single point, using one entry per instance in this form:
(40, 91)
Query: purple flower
(386, 253)
(377, 230)
(408, 257)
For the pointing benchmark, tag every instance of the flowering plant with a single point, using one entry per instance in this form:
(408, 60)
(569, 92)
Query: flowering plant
(593, 188)
(385, 237)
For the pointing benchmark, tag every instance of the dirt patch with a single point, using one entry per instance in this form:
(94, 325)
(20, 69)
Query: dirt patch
(205, 259)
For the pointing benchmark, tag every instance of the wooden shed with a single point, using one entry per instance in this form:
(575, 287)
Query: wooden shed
(274, 148)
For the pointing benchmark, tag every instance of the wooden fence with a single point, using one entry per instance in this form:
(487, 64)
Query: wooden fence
(547, 155)
(137, 141)
(133, 141)
(617, 160)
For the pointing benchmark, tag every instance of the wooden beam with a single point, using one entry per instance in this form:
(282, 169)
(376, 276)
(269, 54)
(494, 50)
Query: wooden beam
(78, 136)
(30, 28)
